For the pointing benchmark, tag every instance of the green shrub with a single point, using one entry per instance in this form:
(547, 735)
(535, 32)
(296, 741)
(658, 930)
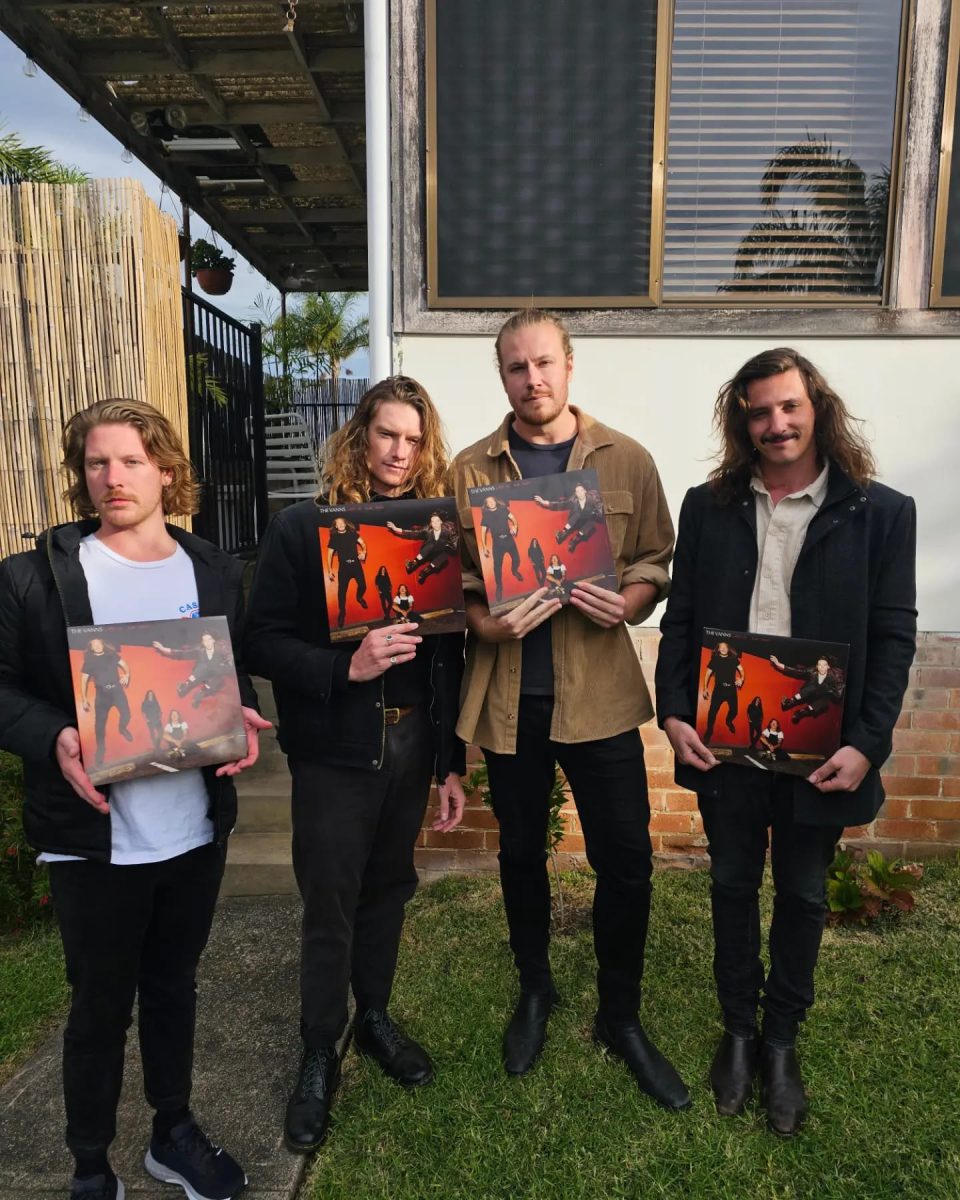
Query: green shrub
(859, 891)
(24, 887)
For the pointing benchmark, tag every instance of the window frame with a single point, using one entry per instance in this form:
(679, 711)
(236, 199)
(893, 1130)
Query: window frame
(903, 312)
(949, 145)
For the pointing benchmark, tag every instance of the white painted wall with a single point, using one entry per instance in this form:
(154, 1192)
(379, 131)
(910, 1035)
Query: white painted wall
(661, 391)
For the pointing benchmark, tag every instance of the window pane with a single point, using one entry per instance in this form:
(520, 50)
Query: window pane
(779, 149)
(544, 134)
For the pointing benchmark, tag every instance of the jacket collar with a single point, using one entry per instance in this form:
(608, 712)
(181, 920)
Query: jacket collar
(591, 435)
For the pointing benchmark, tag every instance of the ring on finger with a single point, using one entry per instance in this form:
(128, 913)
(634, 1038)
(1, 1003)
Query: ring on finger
(393, 660)
(389, 638)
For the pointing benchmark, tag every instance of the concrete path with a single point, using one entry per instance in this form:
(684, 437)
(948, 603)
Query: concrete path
(247, 1056)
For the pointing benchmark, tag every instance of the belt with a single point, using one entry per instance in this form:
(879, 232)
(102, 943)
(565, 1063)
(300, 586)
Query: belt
(393, 716)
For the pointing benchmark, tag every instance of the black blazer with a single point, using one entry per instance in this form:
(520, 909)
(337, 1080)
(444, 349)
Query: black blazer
(41, 593)
(323, 717)
(854, 582)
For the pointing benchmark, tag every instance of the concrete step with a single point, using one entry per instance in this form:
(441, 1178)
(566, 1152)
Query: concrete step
(258, 864)
(265, 810)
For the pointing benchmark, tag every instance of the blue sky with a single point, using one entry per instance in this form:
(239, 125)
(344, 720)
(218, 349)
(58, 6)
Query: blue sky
(42, 114)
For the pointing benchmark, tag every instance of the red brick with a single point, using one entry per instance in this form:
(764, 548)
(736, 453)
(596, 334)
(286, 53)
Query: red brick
(938, 764)
(681, 802)
(939, 649)
(936, 719)
(918, 785)
(902, 764)
(656, 840)
(937, 810)
(856, 832)
(659, 758)
(893, 808)
(955, 698)
(479, 818)
(660, 779)
(904, 830)
(926, 698)
(491, 841)
(950, 786)
(573, 843)
(946, 677)
(933, 741)
(671, 822)
(457, 839)
(949, 831)
(904, 721)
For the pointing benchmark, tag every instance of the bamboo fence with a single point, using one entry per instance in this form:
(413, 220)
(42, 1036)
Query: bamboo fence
(89, 309)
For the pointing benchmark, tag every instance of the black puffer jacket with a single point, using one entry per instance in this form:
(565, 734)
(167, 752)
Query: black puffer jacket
(322, 716)
(854, 582)
(41, 592)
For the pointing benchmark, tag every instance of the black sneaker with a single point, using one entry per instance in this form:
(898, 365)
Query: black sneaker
(97, 1187)
(188, 1157)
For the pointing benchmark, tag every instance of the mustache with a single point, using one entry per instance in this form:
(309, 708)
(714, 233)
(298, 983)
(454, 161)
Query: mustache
(774, 439)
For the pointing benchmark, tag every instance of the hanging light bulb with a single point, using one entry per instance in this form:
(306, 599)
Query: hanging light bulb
(127, 155)
(29, 67)
(83, 114)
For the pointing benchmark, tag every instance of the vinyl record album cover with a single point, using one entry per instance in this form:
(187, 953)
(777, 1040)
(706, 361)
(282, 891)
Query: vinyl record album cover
(393, 561)
(155, 697)
(546, 532)
(775, 703)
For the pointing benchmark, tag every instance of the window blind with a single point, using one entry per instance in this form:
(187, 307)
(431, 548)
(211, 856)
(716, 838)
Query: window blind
(780, 143)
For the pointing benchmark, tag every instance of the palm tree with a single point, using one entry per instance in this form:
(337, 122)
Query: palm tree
(32, 164)
(322, 330)
(831, 239)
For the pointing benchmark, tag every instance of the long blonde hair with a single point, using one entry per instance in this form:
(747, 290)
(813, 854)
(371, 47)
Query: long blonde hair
(345, 477)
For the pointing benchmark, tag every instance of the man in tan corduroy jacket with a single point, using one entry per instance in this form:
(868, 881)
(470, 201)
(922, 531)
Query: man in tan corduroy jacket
(546, 684)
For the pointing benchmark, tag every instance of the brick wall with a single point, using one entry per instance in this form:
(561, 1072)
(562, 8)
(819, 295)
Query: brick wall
(921, 816)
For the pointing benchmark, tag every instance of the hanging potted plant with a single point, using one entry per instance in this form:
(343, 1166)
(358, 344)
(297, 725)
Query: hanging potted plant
(212, 269)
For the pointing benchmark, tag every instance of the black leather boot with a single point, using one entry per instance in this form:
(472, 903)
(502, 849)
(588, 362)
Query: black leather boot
(376, 1035)
(308, 1109)
(782, 1089)
(653, 1072)
(732, 1073)
(526, 1033)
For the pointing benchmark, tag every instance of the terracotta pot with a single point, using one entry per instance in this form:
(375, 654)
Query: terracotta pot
(215, 281)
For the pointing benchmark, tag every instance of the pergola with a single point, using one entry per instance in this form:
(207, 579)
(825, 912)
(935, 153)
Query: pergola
(252, 112)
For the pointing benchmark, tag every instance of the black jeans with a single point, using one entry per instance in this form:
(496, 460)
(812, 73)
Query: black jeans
(109, 696)
(131, 931)
(353, 837)
(736, 823)
(609, 785)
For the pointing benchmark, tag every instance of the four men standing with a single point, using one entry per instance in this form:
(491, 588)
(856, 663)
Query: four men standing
(790, 536)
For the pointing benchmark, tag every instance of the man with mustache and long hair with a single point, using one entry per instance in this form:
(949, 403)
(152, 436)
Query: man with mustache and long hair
(792, 535)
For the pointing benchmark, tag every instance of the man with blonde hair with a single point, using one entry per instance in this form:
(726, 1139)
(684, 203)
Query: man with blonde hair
(135, 867)
(547, 684)
(366, 729)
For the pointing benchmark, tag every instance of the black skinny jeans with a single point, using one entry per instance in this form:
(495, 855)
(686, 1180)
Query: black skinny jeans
(353, 837)
(736, 823)
(609, 785)
(131, 931)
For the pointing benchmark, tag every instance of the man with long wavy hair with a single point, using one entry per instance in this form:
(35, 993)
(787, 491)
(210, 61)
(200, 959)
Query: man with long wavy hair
(135, 867)
(366, 729)
(792, 535)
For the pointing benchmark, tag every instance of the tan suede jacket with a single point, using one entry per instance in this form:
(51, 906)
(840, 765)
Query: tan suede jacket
(600, 689)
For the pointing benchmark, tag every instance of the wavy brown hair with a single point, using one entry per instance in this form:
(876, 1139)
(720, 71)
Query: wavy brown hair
(836, 432)
(525, 317)
(345, 476)
(181, 496)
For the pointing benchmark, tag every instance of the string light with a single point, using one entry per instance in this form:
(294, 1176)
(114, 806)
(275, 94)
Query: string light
(83, 114)
(29, 67)
(127, 155)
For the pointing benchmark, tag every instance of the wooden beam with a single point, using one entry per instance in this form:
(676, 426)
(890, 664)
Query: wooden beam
(317, 156)
(333, 187)
(277, 216)
(273, 241)
(128, 64)
(276, 112)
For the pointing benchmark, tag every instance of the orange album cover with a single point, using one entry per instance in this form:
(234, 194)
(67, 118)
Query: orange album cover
(155, 697)
(393, 561)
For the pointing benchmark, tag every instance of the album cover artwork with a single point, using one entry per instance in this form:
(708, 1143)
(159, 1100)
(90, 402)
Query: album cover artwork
(775, 703)
(384, 563)
(155, 697)
(547, 532)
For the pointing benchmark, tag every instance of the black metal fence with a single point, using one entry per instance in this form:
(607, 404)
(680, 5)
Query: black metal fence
(324, 404)
(225, 399)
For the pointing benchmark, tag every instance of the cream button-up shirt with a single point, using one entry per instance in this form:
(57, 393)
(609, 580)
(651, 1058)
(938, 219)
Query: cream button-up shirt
(781, 529)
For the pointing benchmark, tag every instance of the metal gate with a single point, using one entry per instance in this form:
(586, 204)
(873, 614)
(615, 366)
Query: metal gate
(225, 406)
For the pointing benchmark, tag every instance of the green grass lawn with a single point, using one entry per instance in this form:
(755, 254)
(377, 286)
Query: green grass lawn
(33, 992)
(881, 1056)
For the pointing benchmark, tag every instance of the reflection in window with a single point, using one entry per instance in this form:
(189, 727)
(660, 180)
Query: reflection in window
(781, 136)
